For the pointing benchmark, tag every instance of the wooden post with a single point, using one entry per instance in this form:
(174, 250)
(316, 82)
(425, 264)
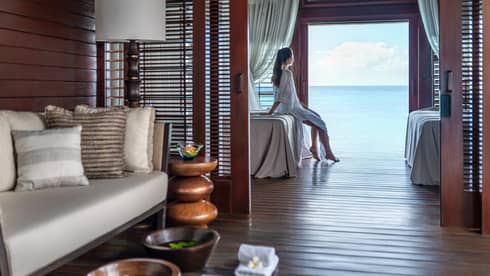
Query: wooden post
(452, 172)
(101, 88)
(240, 192)
(199, 74)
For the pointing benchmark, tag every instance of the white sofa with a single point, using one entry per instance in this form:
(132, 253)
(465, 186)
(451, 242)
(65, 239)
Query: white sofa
(41, 230)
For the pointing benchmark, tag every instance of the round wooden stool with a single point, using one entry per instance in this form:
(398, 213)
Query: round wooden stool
(189, 190)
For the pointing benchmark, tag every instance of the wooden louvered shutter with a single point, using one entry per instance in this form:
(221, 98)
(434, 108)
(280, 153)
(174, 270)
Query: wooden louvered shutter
(461, 131)
(436, 81)
(218, 87)
(111, 61)
(166, 71)
(472, 92)
(208, 102)
(227, 103)
(265, 91)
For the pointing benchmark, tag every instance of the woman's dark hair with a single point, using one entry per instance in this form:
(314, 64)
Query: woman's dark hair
(282, 56)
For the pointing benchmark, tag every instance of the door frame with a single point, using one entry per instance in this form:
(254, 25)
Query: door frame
(420, 56)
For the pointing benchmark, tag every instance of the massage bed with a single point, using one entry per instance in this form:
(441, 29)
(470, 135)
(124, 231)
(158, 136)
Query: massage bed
(422, 147)
(272, 146)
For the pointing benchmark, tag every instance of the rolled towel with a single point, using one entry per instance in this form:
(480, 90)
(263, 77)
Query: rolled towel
(256, 260)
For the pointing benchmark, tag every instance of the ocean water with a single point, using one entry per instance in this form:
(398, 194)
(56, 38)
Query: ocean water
(363, 119)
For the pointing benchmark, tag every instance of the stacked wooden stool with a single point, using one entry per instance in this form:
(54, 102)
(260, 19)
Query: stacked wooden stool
(189, 190)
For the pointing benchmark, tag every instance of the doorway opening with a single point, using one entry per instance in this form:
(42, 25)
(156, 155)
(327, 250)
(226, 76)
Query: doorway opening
(358, 78)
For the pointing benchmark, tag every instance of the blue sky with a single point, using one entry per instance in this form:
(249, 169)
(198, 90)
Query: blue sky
(358, 54)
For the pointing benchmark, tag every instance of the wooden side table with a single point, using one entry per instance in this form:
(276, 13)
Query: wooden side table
(189, 190)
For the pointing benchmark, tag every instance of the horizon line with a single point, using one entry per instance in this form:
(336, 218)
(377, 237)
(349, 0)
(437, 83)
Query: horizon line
(360, 85)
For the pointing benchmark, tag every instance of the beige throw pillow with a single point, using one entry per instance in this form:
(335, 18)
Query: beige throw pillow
(102, 139)
(138, 141)
(42, 163)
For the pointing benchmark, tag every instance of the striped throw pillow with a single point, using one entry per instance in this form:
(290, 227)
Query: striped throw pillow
(48, 158)
(102, 139)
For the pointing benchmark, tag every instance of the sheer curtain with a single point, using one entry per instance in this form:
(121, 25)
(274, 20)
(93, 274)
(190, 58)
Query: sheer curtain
(271, 27)
(429, 11)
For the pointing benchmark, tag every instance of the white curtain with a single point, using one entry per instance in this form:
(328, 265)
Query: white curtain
(271, 27)
(429, 11)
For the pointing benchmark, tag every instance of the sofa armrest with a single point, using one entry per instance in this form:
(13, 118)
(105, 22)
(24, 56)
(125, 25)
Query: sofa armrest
(162, 136)
(4, 260)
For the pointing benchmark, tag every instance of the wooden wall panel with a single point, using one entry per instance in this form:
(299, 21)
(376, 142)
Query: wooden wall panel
(47, 53)
(452, 177)
(240, 190)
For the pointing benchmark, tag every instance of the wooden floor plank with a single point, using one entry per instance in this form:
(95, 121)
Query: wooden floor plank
(361, 216)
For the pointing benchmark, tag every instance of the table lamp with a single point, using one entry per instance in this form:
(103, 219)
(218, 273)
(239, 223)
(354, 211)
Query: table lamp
(130, 21)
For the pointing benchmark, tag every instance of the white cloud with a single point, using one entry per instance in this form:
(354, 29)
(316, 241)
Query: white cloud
(359, 63)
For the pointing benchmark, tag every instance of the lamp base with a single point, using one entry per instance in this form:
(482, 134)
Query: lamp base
(133, 81)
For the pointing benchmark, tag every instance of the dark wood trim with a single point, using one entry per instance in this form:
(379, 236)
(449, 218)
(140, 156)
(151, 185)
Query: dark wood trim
(101, 83)
(486, 121)
(425, 69)
(167, 141)
(452, 174)
(240, 158)
(413, 57)
(199, 74)
(352, 3)
(102, 239)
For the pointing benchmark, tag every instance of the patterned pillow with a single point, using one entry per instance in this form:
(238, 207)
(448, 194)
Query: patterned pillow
(43, 164)
(138, 141)
(102, 139)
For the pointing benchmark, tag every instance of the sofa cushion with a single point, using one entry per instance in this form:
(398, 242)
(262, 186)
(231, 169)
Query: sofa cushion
(102, 139)
(43, 164)
(11, 120)
(138, 140)
(42, 226)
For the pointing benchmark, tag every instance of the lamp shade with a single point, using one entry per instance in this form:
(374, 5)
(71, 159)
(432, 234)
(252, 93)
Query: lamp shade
(124, 20)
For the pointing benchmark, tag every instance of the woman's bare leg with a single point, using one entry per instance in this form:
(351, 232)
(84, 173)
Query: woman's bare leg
(324, 139)
(314, 143)
(326, 143)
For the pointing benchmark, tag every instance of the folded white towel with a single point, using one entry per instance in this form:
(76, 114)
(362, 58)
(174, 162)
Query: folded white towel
(256, 260)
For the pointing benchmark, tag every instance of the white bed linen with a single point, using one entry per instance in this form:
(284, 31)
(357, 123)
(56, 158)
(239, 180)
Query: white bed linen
(422, 147)
(273, 150)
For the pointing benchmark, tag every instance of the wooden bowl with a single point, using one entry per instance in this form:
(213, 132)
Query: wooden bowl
(137, 267)
(189, 259)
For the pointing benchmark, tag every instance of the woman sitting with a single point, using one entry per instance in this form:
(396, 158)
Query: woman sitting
(286, 101)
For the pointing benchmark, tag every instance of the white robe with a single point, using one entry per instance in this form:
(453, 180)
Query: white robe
(286, 95)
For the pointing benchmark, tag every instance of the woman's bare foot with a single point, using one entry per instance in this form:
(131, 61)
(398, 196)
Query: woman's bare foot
(314, 153)
(331, 156)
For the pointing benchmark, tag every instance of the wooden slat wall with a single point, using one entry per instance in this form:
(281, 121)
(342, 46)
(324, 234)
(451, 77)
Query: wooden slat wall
(472, 92)
(47, 53)
(166, 71)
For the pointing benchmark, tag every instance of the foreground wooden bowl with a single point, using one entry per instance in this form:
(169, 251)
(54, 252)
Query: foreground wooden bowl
(137, 267)
(188, 259)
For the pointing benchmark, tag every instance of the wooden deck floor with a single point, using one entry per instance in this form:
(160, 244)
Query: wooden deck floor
(361, 216)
